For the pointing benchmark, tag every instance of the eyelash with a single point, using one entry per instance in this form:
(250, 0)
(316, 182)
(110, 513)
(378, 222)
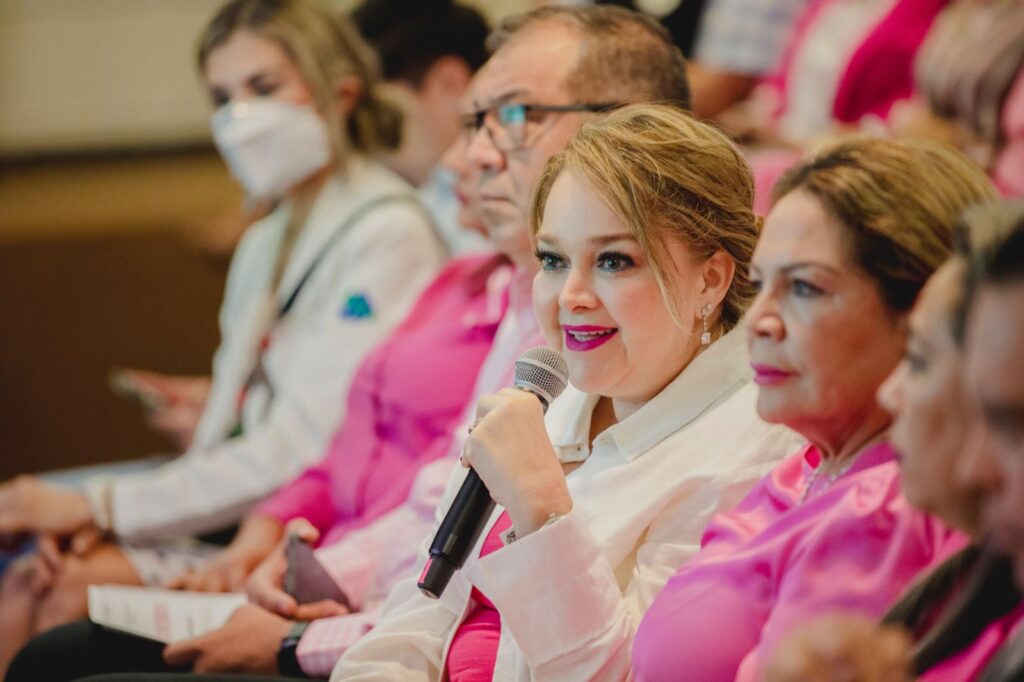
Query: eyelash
(799, 287)
(264, 89)
(915, 363)
(548, 261)
(624, 261)
(805, 289)
(608, 261)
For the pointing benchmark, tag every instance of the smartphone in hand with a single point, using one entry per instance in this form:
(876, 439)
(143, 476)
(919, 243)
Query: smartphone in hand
(306, 579)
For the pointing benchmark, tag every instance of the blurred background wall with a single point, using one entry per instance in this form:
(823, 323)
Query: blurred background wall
(114, 241)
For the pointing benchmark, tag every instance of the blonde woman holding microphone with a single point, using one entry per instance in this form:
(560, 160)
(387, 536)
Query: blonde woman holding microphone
(643, 229)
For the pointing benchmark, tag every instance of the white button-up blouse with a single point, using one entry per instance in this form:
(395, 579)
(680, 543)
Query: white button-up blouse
(571, 594)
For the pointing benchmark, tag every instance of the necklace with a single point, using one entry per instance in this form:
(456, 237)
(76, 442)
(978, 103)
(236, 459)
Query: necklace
(839, 471)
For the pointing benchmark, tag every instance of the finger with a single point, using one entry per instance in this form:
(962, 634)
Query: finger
(236, 576)
(325, 608)
(183, 653)
(305, 530)
(49, 551)
(42, 577)
(272, 599)
(212, 582)
(84, 541)
(178, 583)
(486, 405)
(11, 518)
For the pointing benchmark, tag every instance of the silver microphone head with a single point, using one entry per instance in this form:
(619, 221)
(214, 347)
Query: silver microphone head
(543, 372)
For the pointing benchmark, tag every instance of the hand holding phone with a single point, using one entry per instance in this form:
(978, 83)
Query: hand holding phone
(305, 579)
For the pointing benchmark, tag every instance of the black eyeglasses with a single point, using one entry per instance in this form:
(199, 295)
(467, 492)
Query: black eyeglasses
(508, 124)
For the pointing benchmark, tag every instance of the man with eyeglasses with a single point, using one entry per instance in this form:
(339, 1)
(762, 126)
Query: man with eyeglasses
(550, 69)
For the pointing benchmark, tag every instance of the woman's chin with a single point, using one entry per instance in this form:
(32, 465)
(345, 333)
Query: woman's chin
(771, 410)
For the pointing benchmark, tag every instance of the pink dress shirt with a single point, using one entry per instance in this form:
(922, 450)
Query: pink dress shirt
(403, 403)
(368, 561)
(773, 563)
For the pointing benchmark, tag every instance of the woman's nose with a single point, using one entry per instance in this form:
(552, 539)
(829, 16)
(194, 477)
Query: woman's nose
(577, 292)
(763, 319)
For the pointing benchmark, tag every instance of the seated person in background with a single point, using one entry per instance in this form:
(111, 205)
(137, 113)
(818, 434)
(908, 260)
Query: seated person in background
(643, 228)
(738, 43)
(428, 51)
(994, 371)
(959, 614)
(404, 405)
(313, 287)
(369, 560)
(846, 65)
(970, 81)
(852, 237)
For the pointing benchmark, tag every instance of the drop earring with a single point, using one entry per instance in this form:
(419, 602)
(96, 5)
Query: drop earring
(705, 336)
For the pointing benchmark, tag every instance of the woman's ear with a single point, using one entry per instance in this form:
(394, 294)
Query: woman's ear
(717, 274)
(347, 92)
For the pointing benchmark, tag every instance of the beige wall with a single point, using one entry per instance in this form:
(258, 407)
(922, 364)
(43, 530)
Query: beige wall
(77, 75)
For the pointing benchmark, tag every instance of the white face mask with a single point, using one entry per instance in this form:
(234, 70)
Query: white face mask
(270, 146)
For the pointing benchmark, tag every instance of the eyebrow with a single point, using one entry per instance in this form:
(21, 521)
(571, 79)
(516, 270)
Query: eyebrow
(802, 264)
(917, 337)
(602, 240)
(494, 101)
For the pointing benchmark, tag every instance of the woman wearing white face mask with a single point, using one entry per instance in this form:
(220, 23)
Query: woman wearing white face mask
(313, 287)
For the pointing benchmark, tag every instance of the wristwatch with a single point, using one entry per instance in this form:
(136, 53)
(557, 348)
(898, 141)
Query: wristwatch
(287, 660)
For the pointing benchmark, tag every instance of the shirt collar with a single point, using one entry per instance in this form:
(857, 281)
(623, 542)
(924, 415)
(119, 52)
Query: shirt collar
(709, 378)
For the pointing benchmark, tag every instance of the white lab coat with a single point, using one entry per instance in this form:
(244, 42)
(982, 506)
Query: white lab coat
(571, 594)
(385, 258)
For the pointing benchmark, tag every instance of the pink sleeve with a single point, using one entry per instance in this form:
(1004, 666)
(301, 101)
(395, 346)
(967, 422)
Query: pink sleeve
(880, 71)
(860, 560)
(308, 497)
(325, 640)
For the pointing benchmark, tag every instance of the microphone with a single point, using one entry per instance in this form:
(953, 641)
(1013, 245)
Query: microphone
(540, 371)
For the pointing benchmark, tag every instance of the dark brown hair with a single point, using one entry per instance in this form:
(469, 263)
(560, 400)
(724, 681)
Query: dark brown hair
(898, 200)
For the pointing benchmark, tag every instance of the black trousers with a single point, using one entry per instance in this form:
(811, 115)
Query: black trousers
(83, 649)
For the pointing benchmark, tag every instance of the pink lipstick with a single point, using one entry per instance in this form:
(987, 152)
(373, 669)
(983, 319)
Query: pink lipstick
(766, 375)
(584, 337)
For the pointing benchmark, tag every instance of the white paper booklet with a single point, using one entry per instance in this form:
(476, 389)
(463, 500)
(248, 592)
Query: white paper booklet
(164, 615)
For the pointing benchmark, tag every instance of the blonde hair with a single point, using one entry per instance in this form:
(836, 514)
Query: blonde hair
(325, 47)
(666, 175)
(898, 200)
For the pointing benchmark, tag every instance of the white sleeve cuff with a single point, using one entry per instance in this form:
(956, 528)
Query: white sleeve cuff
(100, 494)
(554, 588)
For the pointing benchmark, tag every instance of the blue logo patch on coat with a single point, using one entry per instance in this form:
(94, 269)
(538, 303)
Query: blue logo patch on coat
(357, 307)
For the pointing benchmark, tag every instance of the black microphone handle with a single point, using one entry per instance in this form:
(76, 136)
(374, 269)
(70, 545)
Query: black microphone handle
(457, 535)
(460, 528)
